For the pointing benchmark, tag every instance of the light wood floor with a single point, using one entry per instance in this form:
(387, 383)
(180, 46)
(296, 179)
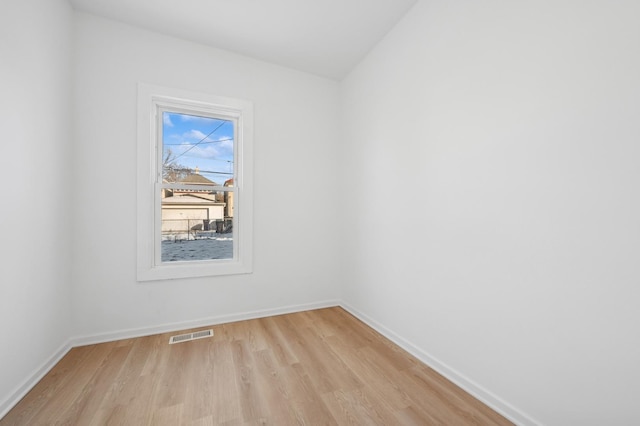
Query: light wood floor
(321, 367)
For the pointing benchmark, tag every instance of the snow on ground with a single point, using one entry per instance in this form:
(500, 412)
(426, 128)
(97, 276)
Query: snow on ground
(220, 247)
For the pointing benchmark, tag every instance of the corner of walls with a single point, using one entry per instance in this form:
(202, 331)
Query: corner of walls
(33, 378)
(35, 309)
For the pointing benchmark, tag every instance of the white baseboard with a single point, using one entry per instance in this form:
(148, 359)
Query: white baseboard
(469, 386)
(19, 393)
(203, 322)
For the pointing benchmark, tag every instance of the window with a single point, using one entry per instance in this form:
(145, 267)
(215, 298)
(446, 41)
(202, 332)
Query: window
(194, 184)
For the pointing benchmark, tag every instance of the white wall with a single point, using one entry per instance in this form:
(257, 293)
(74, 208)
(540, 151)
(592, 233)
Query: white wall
(35, 46)
(508, 135)
(295, 144)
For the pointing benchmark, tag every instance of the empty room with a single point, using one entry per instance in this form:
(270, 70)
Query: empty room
(320, 212)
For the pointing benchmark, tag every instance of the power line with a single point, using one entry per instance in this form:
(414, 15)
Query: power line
(207, 159)
(215, 173)
(202, 171)
(200, 141)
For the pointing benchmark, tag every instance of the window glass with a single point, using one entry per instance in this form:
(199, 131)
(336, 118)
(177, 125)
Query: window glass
(197, 187)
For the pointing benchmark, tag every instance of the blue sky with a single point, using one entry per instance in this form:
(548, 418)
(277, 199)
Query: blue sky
(192, 142)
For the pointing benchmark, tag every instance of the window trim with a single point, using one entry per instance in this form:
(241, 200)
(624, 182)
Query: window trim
(149, 99)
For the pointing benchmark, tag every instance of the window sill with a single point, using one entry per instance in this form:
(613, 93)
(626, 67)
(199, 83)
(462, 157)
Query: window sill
(193, 269)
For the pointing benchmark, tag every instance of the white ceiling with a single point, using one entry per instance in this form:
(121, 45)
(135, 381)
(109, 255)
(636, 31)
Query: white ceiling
(324, 37)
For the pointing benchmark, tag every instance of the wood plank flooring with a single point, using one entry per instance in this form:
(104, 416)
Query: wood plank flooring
(321, 367)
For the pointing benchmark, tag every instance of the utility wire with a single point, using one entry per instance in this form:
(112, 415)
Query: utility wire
(207, 159)
(202, 171)
(200, 141)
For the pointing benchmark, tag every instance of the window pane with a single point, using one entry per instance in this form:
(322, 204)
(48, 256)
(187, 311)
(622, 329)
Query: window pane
(197, 150)
(196, 226)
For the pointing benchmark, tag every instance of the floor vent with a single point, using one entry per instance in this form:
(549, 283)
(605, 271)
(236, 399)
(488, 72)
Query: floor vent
(190, 336)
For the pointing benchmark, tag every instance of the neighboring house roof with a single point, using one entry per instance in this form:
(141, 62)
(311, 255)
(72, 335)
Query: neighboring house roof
(197, 179)
(228, 182)
(190, 199)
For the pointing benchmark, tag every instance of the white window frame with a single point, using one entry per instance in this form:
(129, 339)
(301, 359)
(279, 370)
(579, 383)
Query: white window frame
(151, 99)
